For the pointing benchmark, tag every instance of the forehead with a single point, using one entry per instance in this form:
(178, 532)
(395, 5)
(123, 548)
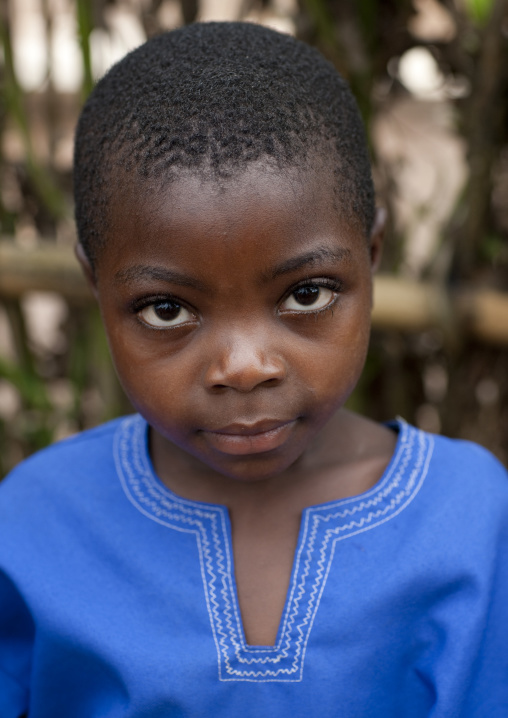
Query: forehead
(261, 213)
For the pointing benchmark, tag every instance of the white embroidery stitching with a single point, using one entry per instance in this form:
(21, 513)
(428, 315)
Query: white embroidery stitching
(323, 527)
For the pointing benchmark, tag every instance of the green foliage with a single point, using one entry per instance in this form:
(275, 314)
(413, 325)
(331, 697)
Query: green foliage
(85, 27)
(479, 10)
(29, 385)
(34, 427)
(493, 248)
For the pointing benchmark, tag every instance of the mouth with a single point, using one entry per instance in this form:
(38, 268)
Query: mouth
(241, 439)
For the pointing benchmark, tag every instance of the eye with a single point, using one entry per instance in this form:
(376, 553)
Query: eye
(309, 298)
(165, 313)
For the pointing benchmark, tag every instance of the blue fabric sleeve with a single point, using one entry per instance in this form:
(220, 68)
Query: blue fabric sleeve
(16, 640)
(488, 695)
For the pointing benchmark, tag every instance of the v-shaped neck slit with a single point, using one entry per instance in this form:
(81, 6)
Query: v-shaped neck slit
(288, 595)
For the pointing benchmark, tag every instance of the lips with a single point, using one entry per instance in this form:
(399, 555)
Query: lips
(241, 439)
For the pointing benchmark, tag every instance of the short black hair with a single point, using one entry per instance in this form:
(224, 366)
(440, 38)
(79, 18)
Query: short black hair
(212, 97)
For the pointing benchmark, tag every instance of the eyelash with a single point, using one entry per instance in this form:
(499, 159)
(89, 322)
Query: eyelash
(327, 283)
(333, 285)
(137, 306)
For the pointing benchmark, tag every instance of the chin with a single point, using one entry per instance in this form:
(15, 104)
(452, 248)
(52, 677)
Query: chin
(252, 469)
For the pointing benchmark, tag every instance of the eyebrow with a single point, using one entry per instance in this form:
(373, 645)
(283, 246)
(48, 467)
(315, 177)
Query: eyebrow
(140, 271)
(317, 256)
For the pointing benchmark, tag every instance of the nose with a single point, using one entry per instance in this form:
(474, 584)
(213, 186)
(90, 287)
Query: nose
(243, 361)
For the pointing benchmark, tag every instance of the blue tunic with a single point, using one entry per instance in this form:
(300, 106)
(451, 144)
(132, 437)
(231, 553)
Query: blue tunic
(118, 598)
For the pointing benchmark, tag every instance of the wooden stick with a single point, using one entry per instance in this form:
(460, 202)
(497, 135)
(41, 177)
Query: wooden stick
(399, 304)
(49, 267)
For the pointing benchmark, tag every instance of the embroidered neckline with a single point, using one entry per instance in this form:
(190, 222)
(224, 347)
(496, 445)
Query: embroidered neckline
(322, 526)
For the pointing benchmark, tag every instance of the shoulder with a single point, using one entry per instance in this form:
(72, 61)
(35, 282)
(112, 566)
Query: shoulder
(81, 444)
(84, 458)
(452, 460)
(465, 489)
(50, 502)
(468, 463)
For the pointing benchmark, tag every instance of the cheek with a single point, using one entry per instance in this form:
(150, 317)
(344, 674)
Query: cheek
(147, 373)
(338, 366)
(161, 397)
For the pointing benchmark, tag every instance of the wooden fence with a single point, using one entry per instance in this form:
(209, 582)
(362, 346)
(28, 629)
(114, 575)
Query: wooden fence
(399, 303)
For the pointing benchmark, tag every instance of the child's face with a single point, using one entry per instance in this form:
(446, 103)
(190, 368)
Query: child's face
(238, 319)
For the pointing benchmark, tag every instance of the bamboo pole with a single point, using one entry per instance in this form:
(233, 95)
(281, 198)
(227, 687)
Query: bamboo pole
(47, 268)
(399, 304)
(408, 305)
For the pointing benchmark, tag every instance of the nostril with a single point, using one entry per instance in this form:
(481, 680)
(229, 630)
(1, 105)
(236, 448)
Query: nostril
(271, 382)
(267, 383)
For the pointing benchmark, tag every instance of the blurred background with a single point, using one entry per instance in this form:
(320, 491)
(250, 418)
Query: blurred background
(431, 79)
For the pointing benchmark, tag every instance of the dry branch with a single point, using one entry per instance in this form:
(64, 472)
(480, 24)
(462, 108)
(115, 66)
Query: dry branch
(399, 303)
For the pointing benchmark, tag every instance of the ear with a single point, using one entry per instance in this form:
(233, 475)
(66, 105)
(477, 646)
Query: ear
(376, 238)
(86, 267)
